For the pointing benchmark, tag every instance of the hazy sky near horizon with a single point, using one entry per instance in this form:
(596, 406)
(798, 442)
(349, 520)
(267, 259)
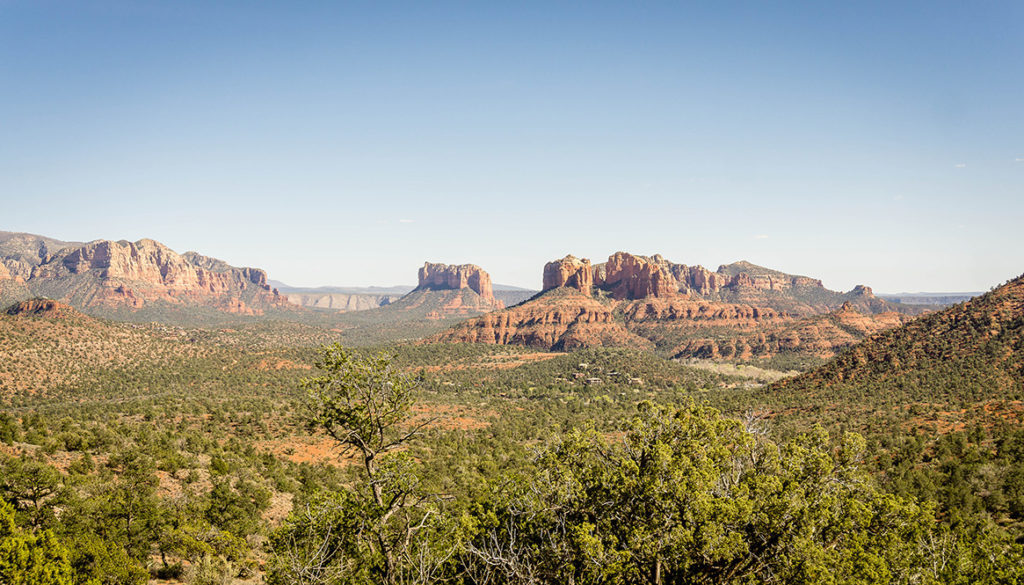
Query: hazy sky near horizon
(345, 143)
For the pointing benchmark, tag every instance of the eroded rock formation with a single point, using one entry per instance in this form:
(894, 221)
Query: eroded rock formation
(630, 277)
(556, 321)
(821, 336)
(150, 262)
(122, 274)
(570, 272)
(739, 311)
(455, 277)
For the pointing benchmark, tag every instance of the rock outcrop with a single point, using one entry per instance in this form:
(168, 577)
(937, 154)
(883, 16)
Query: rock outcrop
(445, 293)
(630, 277)
(40, 307)
(570, 272)
(455, 277)
(561, 320)
(821, 336)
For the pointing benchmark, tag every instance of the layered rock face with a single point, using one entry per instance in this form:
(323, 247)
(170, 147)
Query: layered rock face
(555, 321)
(451, 277)
(570, 272)
(105, 274)
(630, 277)
(633, 277)
(738, 312)
(821, 336)
(698, 279)
(151, 262)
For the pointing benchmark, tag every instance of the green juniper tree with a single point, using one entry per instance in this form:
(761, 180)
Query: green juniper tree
(384, 529)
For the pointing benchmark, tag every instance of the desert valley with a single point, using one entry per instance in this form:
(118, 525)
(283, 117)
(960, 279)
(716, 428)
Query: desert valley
(530, 293)
(164, 418)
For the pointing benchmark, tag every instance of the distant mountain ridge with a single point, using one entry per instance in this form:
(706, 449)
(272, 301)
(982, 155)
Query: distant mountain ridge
(400, 289)
(940, 299)
(362, 298)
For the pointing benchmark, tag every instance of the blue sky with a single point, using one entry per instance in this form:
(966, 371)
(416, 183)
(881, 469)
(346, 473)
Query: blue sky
(346, 143)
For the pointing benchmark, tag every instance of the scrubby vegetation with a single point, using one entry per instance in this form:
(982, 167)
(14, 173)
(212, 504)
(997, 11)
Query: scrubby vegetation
(137, 452)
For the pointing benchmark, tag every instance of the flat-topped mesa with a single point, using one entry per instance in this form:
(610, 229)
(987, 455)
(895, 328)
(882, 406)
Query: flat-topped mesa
(451, 277)
(570, 272)
(627, 276)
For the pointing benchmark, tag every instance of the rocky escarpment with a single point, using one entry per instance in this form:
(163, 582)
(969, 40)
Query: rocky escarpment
(105, 275)
(445, 294)
(455, 277)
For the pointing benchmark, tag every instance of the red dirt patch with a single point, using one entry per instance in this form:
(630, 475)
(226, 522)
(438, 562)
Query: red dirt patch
(281, 365)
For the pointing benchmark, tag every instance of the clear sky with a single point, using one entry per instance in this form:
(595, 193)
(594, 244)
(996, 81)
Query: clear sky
(344, 143)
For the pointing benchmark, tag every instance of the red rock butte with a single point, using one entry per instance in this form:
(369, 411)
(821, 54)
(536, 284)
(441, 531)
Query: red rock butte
(434, 276)
(570, 272)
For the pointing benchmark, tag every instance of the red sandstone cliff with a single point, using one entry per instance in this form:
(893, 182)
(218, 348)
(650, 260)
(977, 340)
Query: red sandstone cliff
(631, 277)
(131, 275)
(561, 320)
(739, 311)
(152, 263)
(455, 277)
(571, 272)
